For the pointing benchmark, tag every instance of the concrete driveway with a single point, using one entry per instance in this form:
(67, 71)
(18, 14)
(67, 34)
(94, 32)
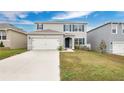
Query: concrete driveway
(31, 65)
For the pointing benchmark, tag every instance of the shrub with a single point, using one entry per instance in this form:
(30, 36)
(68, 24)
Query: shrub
(85, 48)
(102, 46)
(77, 47)
(60, 48)
(1, 44)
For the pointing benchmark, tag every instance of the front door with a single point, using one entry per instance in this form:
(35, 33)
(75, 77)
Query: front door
(67, 42)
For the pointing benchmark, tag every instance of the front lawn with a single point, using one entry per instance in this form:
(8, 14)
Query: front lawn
(85, 65)
(10, 52)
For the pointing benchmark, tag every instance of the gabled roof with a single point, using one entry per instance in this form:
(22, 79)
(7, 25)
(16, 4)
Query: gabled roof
(7, 26)
(48, 31)
(61, 22)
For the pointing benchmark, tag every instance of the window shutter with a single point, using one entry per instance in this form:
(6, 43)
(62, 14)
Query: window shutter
(83, 40)
(64, 27)
(70, 28)
(82, 28)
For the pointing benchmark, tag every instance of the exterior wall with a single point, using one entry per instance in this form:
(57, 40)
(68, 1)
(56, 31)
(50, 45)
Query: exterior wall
(119, 36)
(80, 34)
(59, 27)
(17, 40)
(30, 37)
(6, 42)
(105, 33)
(56, 27)
(101, 33)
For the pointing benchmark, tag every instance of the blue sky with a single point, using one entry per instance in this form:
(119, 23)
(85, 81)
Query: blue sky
(26, 19)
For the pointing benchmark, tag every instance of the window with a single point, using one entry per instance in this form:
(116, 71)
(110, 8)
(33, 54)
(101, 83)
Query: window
(40, 26)
(114, 31)
(114, 28)
(79, 41)
(80, 28)
(76, 41)
(73, 27)
(66, 27)
(123, 31)
(2, 35)
(83, 40)
(122, 28)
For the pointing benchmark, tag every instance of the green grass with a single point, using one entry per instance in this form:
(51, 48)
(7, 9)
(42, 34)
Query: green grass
(10, 52)
(85, 65)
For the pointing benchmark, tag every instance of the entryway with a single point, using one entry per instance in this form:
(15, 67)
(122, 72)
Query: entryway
(68, 42)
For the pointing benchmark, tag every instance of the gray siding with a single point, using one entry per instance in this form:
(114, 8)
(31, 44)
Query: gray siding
(95, 36)
(105, 33)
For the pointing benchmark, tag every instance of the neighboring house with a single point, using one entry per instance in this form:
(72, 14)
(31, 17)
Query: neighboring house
(12, 37)
(113, 35)
(51, 35)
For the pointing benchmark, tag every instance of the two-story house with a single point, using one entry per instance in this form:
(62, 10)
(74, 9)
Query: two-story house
(12, 37)
(113, 35)
(51, 35)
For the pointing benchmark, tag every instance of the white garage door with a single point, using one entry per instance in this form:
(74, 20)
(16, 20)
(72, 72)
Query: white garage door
(118, 47)
(40, 44)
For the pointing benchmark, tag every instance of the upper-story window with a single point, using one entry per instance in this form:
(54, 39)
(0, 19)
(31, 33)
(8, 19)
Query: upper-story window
(123, 28)
(67, 27)
(2, 35)
(74, 27)
(40, 26)
(114, 28)
(114, 31)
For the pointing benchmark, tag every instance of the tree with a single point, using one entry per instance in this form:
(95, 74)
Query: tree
(1, 44)
(102, 46)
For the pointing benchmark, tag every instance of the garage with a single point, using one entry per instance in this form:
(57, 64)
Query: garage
(45, 44)
(44, 40)
(118, 47)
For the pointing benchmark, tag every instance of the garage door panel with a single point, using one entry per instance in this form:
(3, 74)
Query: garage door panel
(45, 44)
(118, 48)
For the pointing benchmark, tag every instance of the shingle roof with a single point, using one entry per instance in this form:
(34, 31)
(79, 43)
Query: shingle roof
(48, 31)
(61, 22)
(104, 25)
(7, 26)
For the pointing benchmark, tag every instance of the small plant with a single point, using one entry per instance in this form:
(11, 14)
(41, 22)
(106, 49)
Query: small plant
(1, 44)
(85, 48)
(77, 47)
(102, 46)
(60, 48)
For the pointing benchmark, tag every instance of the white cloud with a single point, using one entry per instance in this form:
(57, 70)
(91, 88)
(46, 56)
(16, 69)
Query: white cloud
(13, 15)
(17, 22)
(70, 15)
(37, 12)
